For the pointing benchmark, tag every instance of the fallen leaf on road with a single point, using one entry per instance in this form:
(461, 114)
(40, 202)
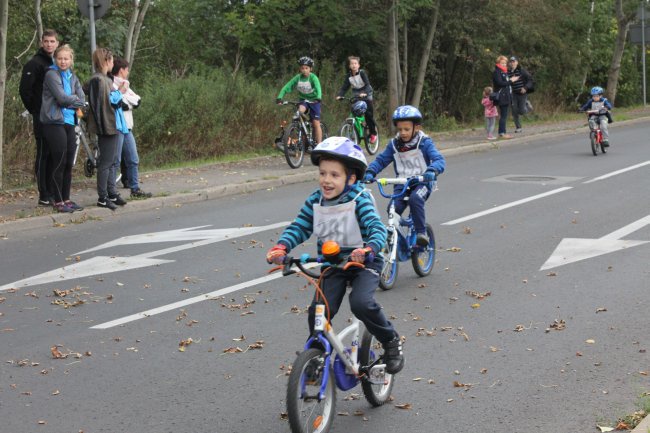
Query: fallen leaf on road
(475, 306)
(604, 428)
(259, 344)
(590, 341)
(184, 343)
(453, 249)
(478, 295)
(56, 353)
(242, 338)
(406, 406)
(232, 350)
(600, 309)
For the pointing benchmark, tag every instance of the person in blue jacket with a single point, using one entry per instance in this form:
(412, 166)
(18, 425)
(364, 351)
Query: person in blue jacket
(412, 153)
(599, 102)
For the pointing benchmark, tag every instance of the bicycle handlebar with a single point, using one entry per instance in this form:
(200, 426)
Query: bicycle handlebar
(408, 181)
(296, 103)
(300, 262)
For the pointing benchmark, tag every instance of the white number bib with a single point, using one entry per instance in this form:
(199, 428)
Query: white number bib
(411, 163)
(304, 87)
(338, 223)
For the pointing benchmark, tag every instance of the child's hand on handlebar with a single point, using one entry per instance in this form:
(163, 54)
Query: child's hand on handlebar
(368, 178)
(276, 254)
(429, 176)
(360, 255)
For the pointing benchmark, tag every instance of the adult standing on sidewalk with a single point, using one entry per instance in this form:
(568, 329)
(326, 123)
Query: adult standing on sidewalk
(520, 90)
(31, 93)
(107, 121)
(502, 84)
(126, 148)
(62, 95)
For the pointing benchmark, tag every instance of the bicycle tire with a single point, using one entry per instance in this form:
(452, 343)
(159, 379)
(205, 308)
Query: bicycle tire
(603, 149)
(370, 350)
(423, 259)
(325, 130)
(294, 148)
(389, 271)
(347, 131)
(371, 148)
(594, 143)
(303, 418)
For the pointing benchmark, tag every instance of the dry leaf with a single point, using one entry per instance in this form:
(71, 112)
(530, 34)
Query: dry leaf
(242, 338)
(184, 343)
(604, 428)
(232, 350)
(475, 306)
(406, 406)
(590, 341)
(56, 353)
(600, 309)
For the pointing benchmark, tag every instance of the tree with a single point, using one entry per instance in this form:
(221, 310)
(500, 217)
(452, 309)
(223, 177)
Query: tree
(424, 57)
(392, 56)
(135, 26)
(625, 13)
(4, 20)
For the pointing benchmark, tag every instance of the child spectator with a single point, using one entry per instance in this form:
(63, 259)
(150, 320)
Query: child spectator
(362, 90)
(308, 86)
(491, 113)
(412, 153)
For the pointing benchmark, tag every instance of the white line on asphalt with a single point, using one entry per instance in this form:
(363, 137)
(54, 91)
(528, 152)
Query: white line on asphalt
(614, 173)
(506, 206)
(193, 300)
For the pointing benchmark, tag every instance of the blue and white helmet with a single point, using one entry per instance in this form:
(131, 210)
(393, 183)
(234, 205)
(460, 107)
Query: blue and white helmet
(597, 90)
(359, 108)
(344, 150)
(407, 112)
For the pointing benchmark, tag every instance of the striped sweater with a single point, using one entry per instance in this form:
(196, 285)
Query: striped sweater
(373, 231)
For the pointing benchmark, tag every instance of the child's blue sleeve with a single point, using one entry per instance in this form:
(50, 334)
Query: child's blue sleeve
(608, 104)
(586, 106)
(382, 160)
(435, 160)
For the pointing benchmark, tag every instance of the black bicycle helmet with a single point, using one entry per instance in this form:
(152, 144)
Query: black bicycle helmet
(304, 60)
(344, 150)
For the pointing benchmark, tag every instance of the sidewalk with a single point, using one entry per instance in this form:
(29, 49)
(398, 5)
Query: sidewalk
(18, 209)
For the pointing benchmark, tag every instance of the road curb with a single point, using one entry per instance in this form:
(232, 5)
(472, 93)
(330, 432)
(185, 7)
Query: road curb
(643, 426)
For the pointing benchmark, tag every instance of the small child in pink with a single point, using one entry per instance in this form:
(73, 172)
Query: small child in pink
(491, 113)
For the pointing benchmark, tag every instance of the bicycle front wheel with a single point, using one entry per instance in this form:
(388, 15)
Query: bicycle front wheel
(372, 148)
(306, 413)
(347, 131)
(423, 258)
(325, 130)
(594, 143)
(378, 384)
(389, 271)
(603, 149)
(294, 146)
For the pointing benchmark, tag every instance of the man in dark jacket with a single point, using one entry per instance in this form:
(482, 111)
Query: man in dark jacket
(31, 92)
(520, 90)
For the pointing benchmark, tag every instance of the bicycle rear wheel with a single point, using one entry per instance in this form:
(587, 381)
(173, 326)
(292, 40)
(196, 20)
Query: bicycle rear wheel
(372, 148)
(389, 271)
(603, 149)
(347, 131)
(325, 130)
(306, 413)
(294, 146)
(594, 143)
(424, 258)
(378, 384)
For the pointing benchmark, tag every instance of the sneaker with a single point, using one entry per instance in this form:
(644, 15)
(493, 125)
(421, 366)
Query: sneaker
(422, 239)
(605, 143)
(61, 207)
(45, 202)
(72, 205)
(373, 139)
(505, 136)
(393, 356)
(518, 130)
(138, 193)
(106, 202)
(491, 137)
(118, 200)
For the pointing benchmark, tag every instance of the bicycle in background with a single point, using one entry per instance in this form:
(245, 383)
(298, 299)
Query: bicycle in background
(355, 127)
(299, 137)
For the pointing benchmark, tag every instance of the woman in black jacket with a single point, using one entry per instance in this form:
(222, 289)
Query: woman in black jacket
(501, 83)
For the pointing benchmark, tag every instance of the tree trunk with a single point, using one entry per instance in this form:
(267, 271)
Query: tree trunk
(424, 57)
(4, 18)
(391, 60)
(135, 26)
(39, 19)
(623, 24)
(589, 47)
(404, 71)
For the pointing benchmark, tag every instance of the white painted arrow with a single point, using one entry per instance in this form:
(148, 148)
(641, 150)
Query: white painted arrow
(571, 250)
(104, 265)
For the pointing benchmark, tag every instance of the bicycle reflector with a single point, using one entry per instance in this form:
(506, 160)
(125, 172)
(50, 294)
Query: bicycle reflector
(331, 249)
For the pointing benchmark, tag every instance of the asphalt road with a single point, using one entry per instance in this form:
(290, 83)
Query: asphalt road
(557, 349)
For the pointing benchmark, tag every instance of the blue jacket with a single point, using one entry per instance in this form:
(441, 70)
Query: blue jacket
(62, 93)
(434, 159)
(373, 231)
(604, 100)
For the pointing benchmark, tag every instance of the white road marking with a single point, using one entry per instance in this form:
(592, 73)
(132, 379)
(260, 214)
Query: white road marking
(506, 206)
(193, 300)
(571, 250)
(614, 173)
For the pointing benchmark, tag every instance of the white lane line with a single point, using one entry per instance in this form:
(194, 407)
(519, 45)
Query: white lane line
(506, 206)
(614, 173)
(194, 300)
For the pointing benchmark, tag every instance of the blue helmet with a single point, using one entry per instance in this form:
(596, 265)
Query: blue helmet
(344, 150)
(359, 108)
(597, 90)
(407, 112)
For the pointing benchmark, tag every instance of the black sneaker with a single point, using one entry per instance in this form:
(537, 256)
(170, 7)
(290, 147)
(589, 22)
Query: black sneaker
(74, 206)
(118, 200)
(106, 202)
(605, 143)
(393, 356)
(62, 208)
(138, 193)
(422, 240)
(45, 202)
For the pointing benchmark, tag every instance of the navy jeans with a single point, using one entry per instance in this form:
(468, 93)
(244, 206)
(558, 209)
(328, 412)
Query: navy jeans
(503, 118)
(364, 283)
(127, 150)
(416, 198)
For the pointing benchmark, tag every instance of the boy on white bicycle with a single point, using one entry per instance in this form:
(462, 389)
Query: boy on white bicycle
(342, 210)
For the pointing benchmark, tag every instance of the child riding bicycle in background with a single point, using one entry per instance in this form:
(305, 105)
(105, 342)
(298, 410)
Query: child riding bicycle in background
(342, 210)
(361, 89)
(412, 153)
(308, 86)
(598, 102)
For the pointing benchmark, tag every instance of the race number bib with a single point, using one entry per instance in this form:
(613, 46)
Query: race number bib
(304, 87)
(338, 223)
(411, 163)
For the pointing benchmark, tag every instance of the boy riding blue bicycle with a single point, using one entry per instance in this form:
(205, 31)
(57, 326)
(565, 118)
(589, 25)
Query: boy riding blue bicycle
(342, 210)
(308, 86)
(412, 153)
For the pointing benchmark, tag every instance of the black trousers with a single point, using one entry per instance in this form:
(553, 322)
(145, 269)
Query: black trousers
(62, 146)
(41, 170)
(370, 118)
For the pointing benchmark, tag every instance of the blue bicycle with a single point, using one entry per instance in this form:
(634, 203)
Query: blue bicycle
(401, 244)
(332, 359)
